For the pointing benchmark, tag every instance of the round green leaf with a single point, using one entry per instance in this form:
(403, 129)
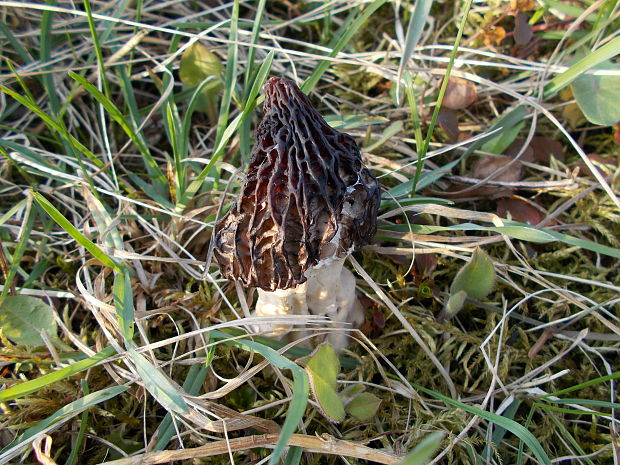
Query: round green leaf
(598, 95)
(477, 278)
(363, 406)
(197, 64)
(22, 318)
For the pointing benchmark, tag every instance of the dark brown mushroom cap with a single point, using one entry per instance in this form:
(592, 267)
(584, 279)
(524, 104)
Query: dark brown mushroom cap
(305, 184)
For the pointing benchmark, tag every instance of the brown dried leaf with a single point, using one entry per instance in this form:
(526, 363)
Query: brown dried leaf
(460, 93)
(448, 121)
(523, 30)
(519, 210)
(545, 147)
(516, 147)
(374, 324)
(425, 263)
(491, 166)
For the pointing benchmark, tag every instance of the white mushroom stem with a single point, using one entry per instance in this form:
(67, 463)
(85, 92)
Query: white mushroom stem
(329, 290)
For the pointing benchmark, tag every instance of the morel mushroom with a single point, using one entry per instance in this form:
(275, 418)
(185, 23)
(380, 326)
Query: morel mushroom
(307, 202)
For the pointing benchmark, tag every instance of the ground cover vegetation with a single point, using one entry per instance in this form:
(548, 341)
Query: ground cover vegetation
(491, 289)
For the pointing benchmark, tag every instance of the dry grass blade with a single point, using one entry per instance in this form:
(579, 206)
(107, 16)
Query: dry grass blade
(410, 329)
(324, 445)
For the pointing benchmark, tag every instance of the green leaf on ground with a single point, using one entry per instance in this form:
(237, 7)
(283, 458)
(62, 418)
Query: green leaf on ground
(502, 141)
(455, 303)
(363, 406)
(22, 318)
(323, 368)
(197, 64)
(598, 95)
(477, 278)
(424, 451)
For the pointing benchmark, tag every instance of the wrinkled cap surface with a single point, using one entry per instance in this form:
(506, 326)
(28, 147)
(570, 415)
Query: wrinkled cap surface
(306, 197)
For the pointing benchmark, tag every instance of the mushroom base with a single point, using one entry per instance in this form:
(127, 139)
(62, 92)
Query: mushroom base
(329, 290)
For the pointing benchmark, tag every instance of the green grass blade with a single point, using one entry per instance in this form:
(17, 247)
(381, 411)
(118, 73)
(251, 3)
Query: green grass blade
(294, 455)
(585, 384)
(388, 133)
(252, 100)
(105, 225)
(564, 433)
(570, 9)
(570, 411)
(586, 402)
(257, 85)
(347, 31)
(294, 352)
(28, 387)
(244, 130)
(129, 98)
(186, 125)
(230, 76)
(301, 388)
(67, 412)
(584, 244)
(516, 230)
(423, 452)
(47, 80)
(510, 425)
(415, 118)
(18, 206)
(158, 385)
(442, 91)
(123, 303)
(606, 52)
(192, 385)
(21, 83)
(97, 46)
(256, 25)
(174, 132)
(74, 233)
(45, 54)
(412, 37)
(505, 123)
(18, 253)
(79, 439)
(53, 124)
(151, 166)
(15, 45)
(499, 433)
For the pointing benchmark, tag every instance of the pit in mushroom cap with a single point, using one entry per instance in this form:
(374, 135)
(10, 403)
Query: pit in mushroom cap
(307, 202)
